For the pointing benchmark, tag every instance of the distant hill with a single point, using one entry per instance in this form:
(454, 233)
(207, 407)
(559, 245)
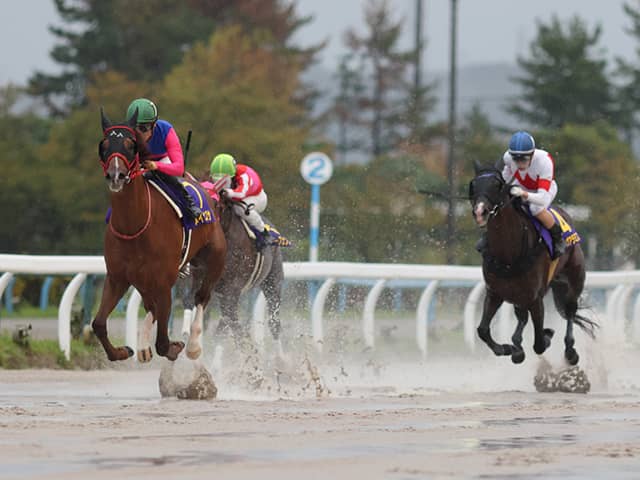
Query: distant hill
(488, 85)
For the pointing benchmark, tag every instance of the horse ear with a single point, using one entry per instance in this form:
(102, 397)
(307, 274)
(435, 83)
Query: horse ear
(476, 166)
(106, 123)
(499, 165)
(133, 121)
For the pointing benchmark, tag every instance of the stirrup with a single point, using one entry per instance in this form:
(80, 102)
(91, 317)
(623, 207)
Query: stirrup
(185, 271)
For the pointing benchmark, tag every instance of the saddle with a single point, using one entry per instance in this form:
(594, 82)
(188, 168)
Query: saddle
(569, 233)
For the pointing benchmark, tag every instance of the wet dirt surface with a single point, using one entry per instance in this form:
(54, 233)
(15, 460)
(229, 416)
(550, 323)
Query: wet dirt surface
(114, 424)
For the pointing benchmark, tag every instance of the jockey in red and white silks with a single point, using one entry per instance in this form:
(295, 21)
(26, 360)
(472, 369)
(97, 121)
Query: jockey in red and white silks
(537, 178)
(247, 187)
(533, 174)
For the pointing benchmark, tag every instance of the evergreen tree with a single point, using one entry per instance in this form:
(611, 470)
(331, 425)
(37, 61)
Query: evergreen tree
(384, 69)
(145, 39)
(628, 94)
(564, 78)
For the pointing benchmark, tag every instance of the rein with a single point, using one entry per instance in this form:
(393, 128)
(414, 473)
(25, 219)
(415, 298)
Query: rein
(520, 264)
(124, 236)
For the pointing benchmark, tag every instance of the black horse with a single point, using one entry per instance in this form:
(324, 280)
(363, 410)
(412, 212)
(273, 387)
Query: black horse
(246, 267)
(518, 269)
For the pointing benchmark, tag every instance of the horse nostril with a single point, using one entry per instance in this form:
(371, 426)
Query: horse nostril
(107, 176)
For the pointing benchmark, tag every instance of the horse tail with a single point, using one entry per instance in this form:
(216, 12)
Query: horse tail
(586, 324)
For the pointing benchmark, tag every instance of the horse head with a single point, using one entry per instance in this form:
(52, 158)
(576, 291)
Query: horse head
(488, 192)
(119, 153)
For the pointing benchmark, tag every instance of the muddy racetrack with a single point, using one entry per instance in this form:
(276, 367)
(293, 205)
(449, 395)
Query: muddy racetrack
(446, 418)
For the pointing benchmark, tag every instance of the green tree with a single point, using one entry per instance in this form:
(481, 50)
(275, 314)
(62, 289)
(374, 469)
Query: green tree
(564, 77)
(383, 107)
(145, 39)
(628, 93)
(239, 96)
(27, 203)
(372, 213)
(142, 40)
(595, 169)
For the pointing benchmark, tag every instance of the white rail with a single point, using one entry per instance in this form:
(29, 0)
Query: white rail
(622, 283)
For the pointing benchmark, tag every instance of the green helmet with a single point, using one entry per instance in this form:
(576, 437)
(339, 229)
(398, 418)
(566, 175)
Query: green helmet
(221, 165)
(147, 110)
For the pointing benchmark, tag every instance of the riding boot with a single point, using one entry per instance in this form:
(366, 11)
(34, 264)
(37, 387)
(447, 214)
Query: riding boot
(194, 210)
(558, 241)
(481, 244)
(263, 239)
(187, 201)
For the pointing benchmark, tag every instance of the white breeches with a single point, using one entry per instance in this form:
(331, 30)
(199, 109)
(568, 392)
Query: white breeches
(253, 218)
(536, 208)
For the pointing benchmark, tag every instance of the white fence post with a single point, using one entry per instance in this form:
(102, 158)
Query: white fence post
(622, 283)
(317, 330)
(422, 317)
(131, 326)
(258, 317)
(4, 281)
(64, 313)
(368, 315)
(470, 309)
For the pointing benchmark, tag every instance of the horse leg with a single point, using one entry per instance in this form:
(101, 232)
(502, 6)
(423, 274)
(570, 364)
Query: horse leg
(567, 306)
(194, 346)
(542, 335)
(518, 353)
(272, 289)
(491, 304)
(185, 289)
(111, 295)
(144, 341)
(229, 321)
(161, 310)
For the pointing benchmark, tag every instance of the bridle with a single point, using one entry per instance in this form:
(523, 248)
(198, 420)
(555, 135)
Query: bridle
(132, 166)
(498, 204)
(121, 132)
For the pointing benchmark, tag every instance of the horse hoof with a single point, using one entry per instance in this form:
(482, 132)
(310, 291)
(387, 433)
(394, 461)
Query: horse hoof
(572, 357)
(130, 351)
(174, 350)
(517, 356)
(145, 355)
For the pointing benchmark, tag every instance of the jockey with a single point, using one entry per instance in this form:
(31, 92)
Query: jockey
(164, 157)
(244, 188)
(531, 170)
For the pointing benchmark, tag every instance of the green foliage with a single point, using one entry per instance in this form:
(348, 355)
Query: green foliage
(373, 213)
(47, 354)
(564, 78)
(628, 94)
(595, 169)
(239, 97)
(388, 105)
(142, 40)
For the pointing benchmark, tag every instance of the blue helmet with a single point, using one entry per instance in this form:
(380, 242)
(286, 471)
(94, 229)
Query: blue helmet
(522, 143)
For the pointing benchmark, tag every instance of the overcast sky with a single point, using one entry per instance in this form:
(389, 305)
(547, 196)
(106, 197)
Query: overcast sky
(490, 31)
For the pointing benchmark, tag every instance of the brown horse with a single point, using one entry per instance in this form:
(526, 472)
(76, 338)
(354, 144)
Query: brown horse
(517, 269)
(143, 247)
(246, 268)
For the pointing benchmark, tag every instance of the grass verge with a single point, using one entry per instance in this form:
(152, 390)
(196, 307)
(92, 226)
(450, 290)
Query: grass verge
(31, 353)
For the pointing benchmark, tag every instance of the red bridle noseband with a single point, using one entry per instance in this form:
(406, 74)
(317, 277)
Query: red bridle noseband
(133, 166)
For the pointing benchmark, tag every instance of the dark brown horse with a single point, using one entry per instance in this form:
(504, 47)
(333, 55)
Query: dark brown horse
(246, 268)
(518, 269)
(142, 247)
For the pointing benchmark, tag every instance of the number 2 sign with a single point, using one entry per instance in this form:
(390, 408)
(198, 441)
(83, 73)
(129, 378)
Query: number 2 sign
(316, 168)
